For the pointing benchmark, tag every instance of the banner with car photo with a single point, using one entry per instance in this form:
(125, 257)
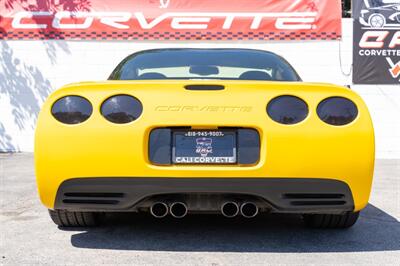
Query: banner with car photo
(171, 20)
(376, 37)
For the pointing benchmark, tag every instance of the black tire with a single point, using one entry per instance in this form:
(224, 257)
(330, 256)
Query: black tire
(331, 220)
(74, 219)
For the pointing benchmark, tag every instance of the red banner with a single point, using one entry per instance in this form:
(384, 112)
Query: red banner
(170, 19)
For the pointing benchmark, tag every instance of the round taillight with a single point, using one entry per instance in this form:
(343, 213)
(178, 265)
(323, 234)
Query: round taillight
(71, 109)
(287, 109)
(337, 111)
(121, 109)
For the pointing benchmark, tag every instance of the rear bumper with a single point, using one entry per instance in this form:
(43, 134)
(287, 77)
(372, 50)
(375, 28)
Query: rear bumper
(291, 195)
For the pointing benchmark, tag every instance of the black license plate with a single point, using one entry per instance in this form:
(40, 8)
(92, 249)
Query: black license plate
(204, 147)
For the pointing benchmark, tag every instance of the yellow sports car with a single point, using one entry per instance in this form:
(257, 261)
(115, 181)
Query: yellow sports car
(230, 131)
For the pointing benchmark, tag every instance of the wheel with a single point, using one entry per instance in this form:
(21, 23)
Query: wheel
(331, 220)
(74, 219)
(377, 21)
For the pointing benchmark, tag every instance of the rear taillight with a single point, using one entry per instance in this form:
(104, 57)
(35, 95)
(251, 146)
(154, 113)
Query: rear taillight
(121, 109)
(287, 109)
(71, 109)
(337, 111)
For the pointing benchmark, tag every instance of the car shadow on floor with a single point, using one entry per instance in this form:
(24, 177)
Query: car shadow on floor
(374, 231)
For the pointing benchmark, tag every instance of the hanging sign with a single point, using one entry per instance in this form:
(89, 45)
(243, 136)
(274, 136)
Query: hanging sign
(171, 20)
(376, 42)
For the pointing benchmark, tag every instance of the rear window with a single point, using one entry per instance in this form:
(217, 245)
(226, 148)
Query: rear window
(232, 64)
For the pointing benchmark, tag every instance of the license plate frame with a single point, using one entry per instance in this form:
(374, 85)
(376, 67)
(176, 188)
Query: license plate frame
(192, 146)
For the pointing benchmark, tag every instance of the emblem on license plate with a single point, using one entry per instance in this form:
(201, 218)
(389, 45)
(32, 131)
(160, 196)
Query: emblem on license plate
(204, 146)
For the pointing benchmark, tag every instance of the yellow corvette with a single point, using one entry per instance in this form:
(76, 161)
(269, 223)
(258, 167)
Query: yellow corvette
(230, 131)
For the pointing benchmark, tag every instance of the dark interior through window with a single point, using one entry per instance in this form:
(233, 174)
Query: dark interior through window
(232, 64)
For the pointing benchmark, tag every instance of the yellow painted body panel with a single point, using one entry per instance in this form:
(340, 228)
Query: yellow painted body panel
(309, 149)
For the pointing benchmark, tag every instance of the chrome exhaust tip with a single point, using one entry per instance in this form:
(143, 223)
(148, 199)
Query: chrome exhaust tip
(248, 210)
(178, 209)
(159, 209)
(230, 209)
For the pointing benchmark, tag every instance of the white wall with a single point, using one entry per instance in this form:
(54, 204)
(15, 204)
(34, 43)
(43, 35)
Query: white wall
(30, 70)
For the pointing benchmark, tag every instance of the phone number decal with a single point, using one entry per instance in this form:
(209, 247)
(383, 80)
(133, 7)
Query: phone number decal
(204, 134)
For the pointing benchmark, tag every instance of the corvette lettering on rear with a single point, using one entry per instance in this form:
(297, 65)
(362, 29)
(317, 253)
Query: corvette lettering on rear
(205, 108)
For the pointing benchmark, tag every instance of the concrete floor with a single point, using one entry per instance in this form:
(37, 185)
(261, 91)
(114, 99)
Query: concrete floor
(27, 235)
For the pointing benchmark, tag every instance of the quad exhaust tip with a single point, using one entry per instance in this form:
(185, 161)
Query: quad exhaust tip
(159, 209)
(230, 209)
(178, 209)
(248, 210)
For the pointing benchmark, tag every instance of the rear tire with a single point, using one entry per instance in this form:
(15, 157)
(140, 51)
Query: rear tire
(74, 219)
(331, 220)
